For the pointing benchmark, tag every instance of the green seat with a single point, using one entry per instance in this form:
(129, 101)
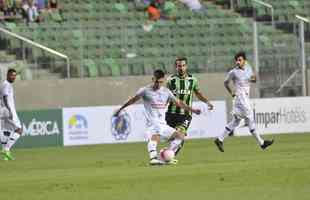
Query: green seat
(10, 26)
(120, 7)
(113, 65)
(91, 67)
(26, 74)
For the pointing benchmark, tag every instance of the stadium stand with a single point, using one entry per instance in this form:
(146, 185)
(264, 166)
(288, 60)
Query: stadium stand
(104, 38)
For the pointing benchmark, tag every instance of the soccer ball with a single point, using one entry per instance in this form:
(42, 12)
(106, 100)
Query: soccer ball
(166, 154)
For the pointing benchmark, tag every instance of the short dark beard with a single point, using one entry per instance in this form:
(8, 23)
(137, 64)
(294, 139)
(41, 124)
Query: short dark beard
(182, 75)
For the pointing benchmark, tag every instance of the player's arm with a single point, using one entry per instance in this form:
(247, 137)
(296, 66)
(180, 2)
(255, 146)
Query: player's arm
(6, 104)
(226, 83)
(203, 98)
(230, 91)
(129, 102)
(183, 105)
(253, 79)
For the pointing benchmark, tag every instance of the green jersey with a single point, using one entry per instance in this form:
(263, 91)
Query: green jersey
(183, 89)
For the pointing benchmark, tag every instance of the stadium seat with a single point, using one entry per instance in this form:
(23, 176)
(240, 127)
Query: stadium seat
(113, 65)
(91, 67)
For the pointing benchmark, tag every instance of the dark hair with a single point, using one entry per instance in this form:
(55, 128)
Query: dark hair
(158, 73)
(11, 70)
(240, 54)
(180, 59)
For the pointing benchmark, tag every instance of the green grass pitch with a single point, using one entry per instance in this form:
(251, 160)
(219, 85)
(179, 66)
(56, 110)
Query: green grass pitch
(121, 172)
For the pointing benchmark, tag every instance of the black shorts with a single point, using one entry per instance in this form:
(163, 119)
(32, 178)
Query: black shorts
(176, 120)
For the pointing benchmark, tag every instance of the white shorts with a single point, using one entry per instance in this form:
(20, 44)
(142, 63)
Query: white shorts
(242, 108)
(164, 130)
(7, 123)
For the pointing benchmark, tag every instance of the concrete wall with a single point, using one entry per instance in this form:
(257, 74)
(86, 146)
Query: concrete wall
(42, 94)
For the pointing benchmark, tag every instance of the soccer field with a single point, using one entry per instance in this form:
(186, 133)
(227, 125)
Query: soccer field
(121, 172)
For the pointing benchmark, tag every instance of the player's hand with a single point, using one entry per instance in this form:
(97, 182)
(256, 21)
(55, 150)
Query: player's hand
(210, 106)
(196, 111)
(116, 113)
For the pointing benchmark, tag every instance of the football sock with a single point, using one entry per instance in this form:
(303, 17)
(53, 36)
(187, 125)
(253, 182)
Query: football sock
(259, 140)
(229, 127)
(4, 136)
(13, 138)
(152, 148)
(225, 134)
(175, 143)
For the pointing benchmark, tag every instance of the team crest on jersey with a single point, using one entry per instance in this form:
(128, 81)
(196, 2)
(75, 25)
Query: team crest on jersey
(121, 127)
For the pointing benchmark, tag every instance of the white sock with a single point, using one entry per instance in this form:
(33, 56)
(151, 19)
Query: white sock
(4, 139)
(258, 138)
(225, 134)
(230, 127)
(174, 144)
(152, 148)
(13, 138)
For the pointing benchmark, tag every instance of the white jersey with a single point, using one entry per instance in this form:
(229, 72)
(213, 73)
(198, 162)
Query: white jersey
(155, 103)
(6, 89)
(241, 79)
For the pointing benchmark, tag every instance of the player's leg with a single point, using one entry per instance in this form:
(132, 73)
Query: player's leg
(176, 141)
(4, 134)
(180, 123)
(154, 134)
(182, 131)
(261, 142)
(4, 137)
(152, 149)
(228, 129)
(14, 136)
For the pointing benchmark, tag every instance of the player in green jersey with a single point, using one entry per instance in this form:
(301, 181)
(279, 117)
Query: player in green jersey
(183, 85)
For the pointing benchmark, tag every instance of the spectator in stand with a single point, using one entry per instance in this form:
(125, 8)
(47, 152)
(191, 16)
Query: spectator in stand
(153, 12)
(55, 11)
(41, 4)
(156, 11)
(30, 11)
(8, 7)
(194, 5)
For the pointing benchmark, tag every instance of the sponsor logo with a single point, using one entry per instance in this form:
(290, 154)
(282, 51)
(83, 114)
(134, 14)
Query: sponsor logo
(78, 127)
(121, 126)
(286, 115)
(36, 128)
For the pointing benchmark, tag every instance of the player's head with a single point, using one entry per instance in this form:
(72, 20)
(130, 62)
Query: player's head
(11, 75)
(158, 78)
(240, 59)
(181, 65)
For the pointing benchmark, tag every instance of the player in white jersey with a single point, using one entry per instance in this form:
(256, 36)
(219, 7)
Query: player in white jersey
(155, 99)
(241, 76)
(11, 128)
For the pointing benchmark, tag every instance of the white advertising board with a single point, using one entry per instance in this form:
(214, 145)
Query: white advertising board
(95, 125)
(280, 115)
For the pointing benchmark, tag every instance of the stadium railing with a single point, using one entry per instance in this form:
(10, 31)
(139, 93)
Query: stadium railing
(31, 59)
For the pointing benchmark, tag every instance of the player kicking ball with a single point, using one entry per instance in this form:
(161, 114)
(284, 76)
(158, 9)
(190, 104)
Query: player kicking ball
(241, 76)
(156, 98)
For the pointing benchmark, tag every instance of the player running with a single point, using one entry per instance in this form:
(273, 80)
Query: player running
(183, 85)
(155, 99)
(241, 76)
